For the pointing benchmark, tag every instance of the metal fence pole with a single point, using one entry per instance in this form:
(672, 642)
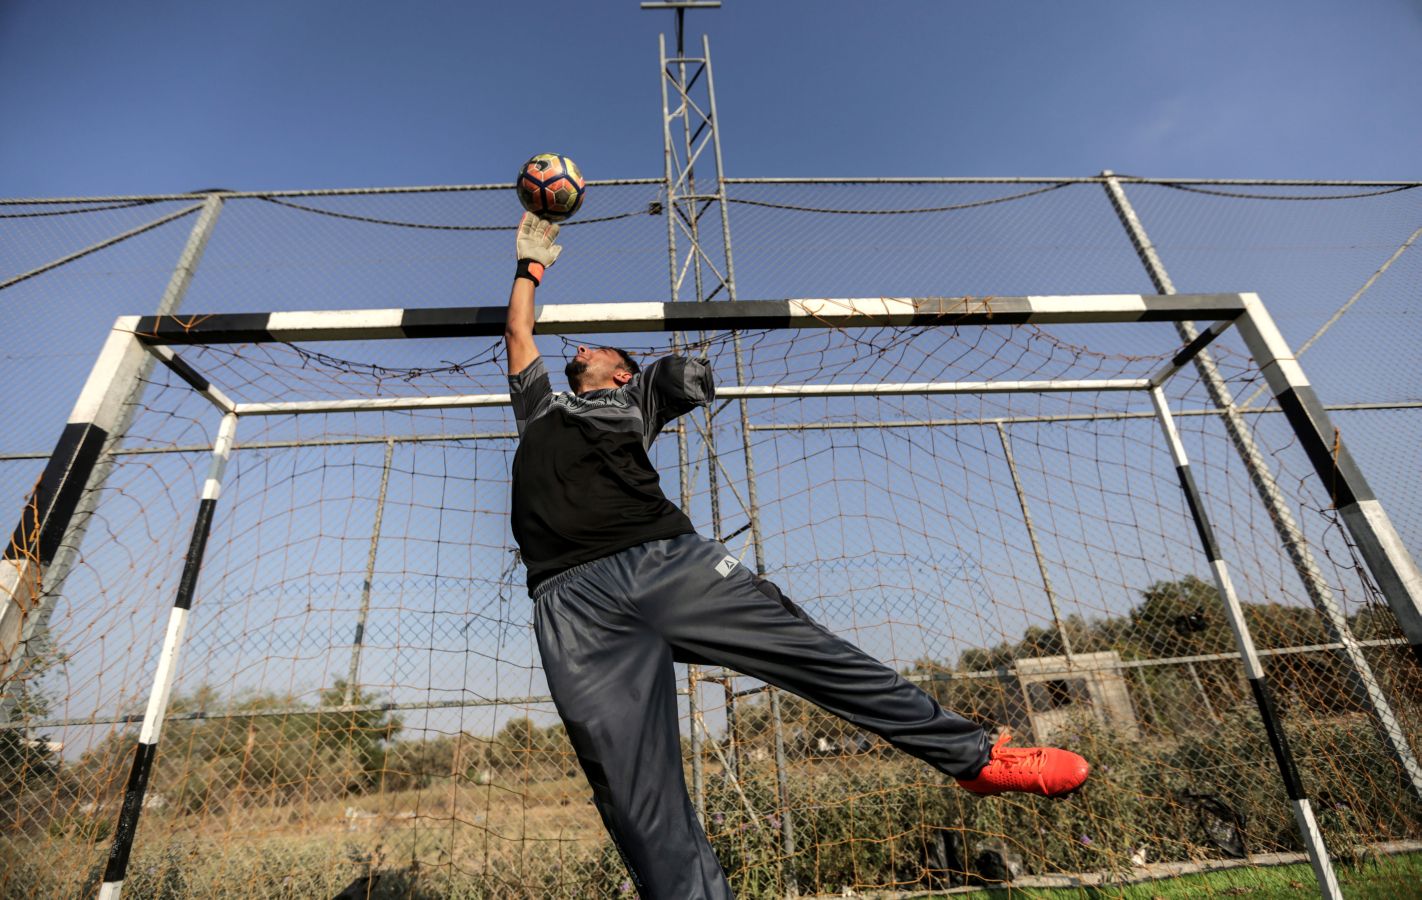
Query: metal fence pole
(729, 277)
(733, 763)
(358, 642)
(1204, 694)
(669, 174)
(1364, 683)
(1253, 669)
(1032, 536)
(689, 198)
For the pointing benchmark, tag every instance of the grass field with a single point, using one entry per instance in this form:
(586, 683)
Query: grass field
(524, 839)
(1383, 878)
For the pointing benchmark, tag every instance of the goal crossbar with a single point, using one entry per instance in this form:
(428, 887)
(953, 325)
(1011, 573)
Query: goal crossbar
(584, 318)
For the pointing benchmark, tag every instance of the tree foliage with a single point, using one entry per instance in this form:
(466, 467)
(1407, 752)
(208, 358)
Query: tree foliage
(267, 749)
(522, 750)
(1184, 619)
(26, 758)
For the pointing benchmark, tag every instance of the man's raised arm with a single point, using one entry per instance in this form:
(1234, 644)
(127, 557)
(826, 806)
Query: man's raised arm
(536, 252)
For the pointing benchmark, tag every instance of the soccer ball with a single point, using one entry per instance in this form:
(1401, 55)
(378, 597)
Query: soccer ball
(550, 186)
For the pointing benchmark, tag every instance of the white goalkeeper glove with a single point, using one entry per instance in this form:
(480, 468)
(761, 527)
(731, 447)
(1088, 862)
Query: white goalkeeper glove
(536, 250)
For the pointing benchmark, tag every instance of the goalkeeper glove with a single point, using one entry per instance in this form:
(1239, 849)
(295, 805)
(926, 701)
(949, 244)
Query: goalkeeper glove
(536, 250)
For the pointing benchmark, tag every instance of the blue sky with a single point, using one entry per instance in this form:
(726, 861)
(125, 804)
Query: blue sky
(151, 96)
(160, 96)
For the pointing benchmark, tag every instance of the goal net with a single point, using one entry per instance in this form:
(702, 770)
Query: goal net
(987, 503)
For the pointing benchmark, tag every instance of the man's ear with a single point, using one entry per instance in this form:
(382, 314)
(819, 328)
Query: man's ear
(621, 376)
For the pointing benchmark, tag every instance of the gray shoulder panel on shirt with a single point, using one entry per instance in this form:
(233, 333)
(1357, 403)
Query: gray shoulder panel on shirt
(612, 410)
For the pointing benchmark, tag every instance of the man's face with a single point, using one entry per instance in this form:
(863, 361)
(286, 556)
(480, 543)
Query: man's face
(592, 368)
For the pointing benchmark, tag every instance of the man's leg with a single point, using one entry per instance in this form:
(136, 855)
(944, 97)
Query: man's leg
(612, 680)
(711, 609)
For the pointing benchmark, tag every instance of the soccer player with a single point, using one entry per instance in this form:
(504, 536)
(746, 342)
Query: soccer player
(623, 586)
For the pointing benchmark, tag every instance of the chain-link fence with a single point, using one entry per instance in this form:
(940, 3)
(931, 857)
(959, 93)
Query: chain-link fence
(359, 696)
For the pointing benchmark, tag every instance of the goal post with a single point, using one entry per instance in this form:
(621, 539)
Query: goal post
(1387, 557)
(49, 520)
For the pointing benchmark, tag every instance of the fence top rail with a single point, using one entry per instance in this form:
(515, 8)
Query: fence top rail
(595, 318)
(526, 702)
(309, 192)
(613, 182)
(1082, 179)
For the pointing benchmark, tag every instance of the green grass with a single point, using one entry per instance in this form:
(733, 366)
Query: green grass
(1383, 878)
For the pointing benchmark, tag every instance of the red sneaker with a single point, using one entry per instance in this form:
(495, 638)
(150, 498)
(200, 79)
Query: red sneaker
(1033, 770)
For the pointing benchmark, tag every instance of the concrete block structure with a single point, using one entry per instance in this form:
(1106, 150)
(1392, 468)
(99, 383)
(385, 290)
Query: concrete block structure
(1051, 693)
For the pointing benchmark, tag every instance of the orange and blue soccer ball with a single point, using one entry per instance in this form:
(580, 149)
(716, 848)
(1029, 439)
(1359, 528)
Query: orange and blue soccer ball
(550, 186)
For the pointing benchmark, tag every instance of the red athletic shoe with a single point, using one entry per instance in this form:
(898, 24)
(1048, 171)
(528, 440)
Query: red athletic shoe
(1034, 770)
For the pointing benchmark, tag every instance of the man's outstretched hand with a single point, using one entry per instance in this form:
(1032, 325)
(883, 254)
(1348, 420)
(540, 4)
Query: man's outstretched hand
(535, 240)
(536, 251)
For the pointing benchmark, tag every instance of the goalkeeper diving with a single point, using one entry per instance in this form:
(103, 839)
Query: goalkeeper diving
(623, 587)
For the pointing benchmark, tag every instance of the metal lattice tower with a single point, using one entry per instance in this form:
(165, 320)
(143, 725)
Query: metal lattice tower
(689, 129)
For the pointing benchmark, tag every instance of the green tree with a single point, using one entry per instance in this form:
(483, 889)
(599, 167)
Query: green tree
(28, 760)
(264, 749)
(361, 734)
(523, 746)
(412, 765)
(1184, 617)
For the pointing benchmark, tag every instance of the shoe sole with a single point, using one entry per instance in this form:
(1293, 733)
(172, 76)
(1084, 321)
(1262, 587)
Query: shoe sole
(1064, 795)
(1067, 795)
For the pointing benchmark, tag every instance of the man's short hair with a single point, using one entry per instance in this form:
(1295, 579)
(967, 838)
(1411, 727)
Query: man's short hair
(628, 362)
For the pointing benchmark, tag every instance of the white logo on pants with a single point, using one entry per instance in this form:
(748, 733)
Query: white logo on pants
(725, 566)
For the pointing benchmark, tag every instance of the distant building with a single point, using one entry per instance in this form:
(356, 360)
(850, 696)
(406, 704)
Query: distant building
(1045, 695)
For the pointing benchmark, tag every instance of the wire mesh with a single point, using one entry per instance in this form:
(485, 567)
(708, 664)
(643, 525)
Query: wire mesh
(895, 521)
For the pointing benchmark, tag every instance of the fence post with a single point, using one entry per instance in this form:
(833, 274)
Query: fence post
(358, 641)
(1062, 635)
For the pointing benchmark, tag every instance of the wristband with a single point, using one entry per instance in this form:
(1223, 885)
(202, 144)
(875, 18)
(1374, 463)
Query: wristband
(531, 270)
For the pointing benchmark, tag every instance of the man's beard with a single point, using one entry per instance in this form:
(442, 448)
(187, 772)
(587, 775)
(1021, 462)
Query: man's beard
(575, 370)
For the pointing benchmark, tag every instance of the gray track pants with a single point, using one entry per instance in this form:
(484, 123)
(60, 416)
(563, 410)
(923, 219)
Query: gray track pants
(609, 631)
